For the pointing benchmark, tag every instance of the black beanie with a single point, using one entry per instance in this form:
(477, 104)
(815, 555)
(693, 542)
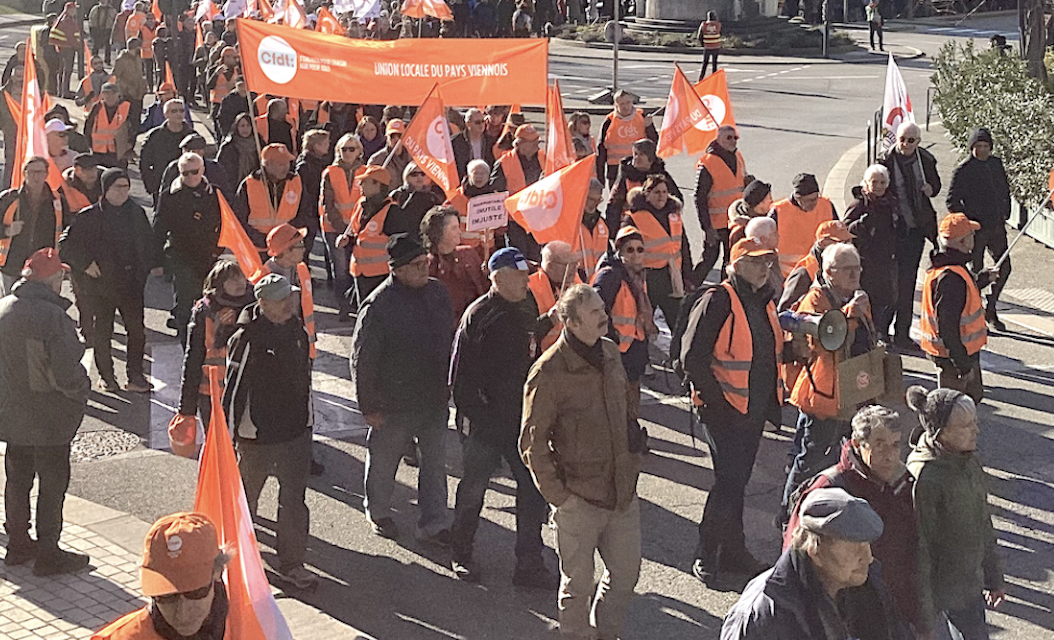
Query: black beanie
(756, 192)
(981, 135)
(402, 249)
(934, 408)
(111, 176)
(805, 184)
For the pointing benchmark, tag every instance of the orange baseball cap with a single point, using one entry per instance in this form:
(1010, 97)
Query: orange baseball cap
(380, 174)
(527, 132)
(282, 237)
(834, 229)
(748, 247)
(957, 225)
(276, 151)
(42, 265)
(179, 554)
(395, 125)
(627, 233)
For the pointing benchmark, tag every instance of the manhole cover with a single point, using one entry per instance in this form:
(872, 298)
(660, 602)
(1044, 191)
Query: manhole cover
(95, 445)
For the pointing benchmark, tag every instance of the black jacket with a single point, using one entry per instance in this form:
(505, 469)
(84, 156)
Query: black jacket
(209, 306)
(268, 373)
(187, 226)
(610, 275)
(409, 210)
(231, 106)
(214, 173)
(160, 147)
(876, 225)
(310, 167)
(463, 152)
(227, 157)
(38, 232)
(949, 300)
(43, 386)
(400, 358)
(119, 239)
(619, 194)
(493, 351)
(925, 215)
(981, 191)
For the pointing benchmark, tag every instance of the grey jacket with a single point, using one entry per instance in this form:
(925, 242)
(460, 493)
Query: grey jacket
(43, 385)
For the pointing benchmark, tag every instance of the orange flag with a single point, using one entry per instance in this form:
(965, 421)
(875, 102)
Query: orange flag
(266, 10)
(713, 92)
(32, 141)
(233, 237)
(683, 111)
(421, 8)
(559, 151)
(551, 209)
(169, 78)
(328, 23)
(295, 16)
(87, 57)
(253, 613)
(156, 10)
(428, 141)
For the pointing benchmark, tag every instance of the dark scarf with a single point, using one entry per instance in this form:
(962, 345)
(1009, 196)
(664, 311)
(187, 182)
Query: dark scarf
(213, 628)
(594, 355)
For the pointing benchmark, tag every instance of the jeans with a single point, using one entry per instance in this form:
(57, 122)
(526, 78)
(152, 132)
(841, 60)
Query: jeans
(339, 260)
(994, 242)
(290, 463)
(480, 460)
(909, 255)
(733, 448)
(68, 58)
(659, 289)
(589, 610)
(968, 623)
(709, 56)
(130, 303)
(820, 447)
(187, 283)
(385, 448)
(875, 28)
(52, 465)
(100, 41)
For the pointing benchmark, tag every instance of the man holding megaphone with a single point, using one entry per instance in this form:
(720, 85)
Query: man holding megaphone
(820, 430)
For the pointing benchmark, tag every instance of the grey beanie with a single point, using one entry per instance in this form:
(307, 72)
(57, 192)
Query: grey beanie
(933, 407)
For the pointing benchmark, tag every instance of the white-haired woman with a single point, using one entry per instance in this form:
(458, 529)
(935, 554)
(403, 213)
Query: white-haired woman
(873, 219)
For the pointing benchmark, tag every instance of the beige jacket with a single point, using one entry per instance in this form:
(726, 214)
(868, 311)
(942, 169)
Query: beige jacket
(128, 71)
(574, 437)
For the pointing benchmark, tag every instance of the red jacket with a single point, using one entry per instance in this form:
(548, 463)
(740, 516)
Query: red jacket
(462, 274)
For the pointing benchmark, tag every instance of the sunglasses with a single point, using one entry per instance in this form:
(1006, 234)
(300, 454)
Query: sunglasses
(909, 140)
(416, 174)
(299, 245)
(190, 172)
(196, 594)
(475, 122)
(631, 250)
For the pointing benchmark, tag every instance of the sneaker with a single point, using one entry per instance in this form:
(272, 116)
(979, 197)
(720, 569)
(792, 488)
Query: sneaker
(742, 562)
(465, 570)
(139, 384)
(109, 385)
(317, 468)
(441, 538)
(994, 323)
(20, 553)
(535, 576)
(60, 561)
(299, 577)
(701, 572)
(385, 528)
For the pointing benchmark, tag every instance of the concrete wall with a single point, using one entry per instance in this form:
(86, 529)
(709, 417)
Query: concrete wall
(695, 10)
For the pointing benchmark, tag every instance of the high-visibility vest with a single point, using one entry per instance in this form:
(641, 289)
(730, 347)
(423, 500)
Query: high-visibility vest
(344, 195)
(797, 230)
(134, 24)
(75, 198)
(621, 134)
(224, 86)
(263, 127)
(136, 625)
(810, 264)
(510, 165)
(104, 134)
(307, 306)
(262, 216)
(215, 356)
(972, 330)
(542, 290)
(624, 318)
(469, 238)
(659, 247)
(726, 188)
(146, 35)
(369, 256)
(711, 34)
(734, 352)
(90, 95)
(592, 245)
(12, 214)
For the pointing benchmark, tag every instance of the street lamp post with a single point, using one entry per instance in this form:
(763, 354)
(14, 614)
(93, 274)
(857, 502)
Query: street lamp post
(614, 49)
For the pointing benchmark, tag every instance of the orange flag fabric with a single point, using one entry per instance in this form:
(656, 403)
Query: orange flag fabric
(294, 14)
(684, 110)
(713, 92)
(428, 141)
(253, 613)
(32, 141)
(207, 10)
(233, 237)
(551, 209)
(328, 23)
(311, 65)
(559, 151)
(421, 8)
(168, 74)
(266, 11)
(156, 10)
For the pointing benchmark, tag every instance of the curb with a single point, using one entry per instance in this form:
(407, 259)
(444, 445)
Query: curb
(21, 23)
(643, 48)
(837, 182)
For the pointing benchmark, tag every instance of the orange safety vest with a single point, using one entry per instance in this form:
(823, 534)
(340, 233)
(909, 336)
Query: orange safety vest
(797, 230)
(624, 319)
(104, 134)
(810, 264)
(726, 188)
(711, 34)
(223, 87)
(146, 34)
(659, 246)
(369, 256)
(75, 198)
(510, 165)
(344, 195)
(215, 356)
(263, 127)
(307, 306)
(262, 216)
(621, 134)
(136, 626)
(134, 24)
(12, 214)
(542, 290)
(734, 353)
(592, 245)
(972, 329)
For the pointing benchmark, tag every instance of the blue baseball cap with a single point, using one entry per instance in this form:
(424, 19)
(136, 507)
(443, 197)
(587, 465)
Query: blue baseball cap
(509, 257)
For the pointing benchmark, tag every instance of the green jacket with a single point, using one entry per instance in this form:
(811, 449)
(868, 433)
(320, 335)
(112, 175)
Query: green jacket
(958, 556)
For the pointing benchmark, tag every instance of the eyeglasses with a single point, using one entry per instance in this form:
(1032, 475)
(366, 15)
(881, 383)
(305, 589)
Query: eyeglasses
(190, 172)
(416, 174)
(631, 250)
(299, 245)
(196, 594)
(909, 140)
(351, 150)
(480, 121)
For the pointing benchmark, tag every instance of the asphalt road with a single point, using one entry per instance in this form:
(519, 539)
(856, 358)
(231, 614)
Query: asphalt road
(795, 115)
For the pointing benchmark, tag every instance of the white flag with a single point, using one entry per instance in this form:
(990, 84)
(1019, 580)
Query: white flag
(896, 105)
(235, 8)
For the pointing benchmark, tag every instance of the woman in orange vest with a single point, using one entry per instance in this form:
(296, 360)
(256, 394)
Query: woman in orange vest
(709, 36)
(213, 321)
(340, 193)
(798, 217)
(365, 234)
(667, 255)
(580, 127)
(632, 172)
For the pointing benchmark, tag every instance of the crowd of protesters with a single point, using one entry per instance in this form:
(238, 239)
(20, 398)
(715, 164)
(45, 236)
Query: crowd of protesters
(523, 338)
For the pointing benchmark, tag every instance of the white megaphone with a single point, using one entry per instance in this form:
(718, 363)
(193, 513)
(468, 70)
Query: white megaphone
(831, 328)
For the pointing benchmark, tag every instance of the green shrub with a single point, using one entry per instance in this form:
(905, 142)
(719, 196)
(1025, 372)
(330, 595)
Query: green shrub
(978, 88)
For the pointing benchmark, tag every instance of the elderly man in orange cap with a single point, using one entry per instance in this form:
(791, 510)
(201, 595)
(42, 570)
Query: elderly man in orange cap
(182, 574)
(807, 269)
(271, 196)
(515, 169)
